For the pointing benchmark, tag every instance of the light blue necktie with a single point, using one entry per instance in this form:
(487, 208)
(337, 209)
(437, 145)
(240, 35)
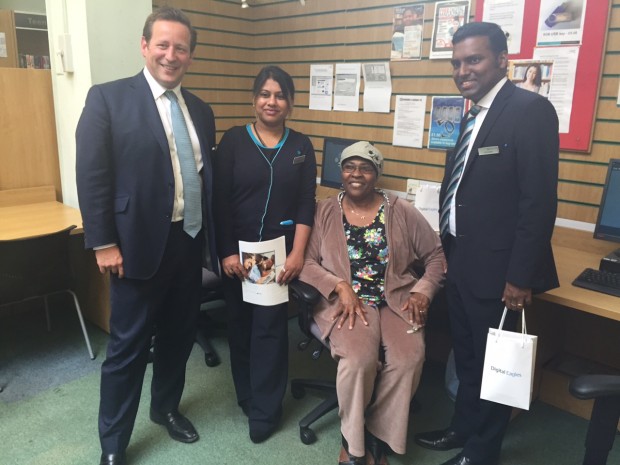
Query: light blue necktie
(459, 164)
(189, 173)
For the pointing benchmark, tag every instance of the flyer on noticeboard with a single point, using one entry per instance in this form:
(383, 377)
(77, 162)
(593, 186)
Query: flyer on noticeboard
(446, 115)
(449, 16)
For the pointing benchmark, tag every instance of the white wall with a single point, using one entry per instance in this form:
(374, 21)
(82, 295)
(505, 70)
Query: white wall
(30, 6)
(116, 27)
(105, 37)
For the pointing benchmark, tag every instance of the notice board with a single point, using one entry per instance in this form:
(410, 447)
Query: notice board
(589, 64)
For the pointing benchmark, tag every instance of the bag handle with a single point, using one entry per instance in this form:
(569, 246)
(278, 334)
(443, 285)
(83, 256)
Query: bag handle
(523, 326)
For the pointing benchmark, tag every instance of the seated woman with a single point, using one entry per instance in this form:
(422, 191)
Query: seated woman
(360, 257)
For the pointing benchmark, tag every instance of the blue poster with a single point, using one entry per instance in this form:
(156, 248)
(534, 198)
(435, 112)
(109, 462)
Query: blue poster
(446, 115)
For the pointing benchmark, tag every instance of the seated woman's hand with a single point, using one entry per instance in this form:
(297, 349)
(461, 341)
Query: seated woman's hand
(350, 306)
(416, 307)
(232, 267)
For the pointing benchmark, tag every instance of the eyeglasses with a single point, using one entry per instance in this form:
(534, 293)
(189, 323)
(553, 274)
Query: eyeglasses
(364, 168)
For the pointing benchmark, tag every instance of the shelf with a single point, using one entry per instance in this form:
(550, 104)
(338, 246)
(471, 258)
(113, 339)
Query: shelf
(27, 41)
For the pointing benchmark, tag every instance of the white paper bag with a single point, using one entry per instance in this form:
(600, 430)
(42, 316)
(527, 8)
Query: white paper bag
(427, 202)
(508, 374)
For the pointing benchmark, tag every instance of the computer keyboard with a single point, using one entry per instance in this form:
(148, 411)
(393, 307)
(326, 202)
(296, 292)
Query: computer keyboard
(600, 281)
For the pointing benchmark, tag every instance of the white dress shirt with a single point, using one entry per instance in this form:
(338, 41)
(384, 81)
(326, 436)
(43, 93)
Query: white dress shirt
(163, 106)
(485, 103)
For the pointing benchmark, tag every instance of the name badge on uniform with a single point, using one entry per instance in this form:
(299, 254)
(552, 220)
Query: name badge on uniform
(491, 150)
(299, 159)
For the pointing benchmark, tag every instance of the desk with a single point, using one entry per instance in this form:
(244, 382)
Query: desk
(570, 262)
(35, 219)
(578, 329)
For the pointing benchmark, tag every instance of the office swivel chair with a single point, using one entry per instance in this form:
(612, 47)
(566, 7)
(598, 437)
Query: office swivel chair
(306, 297)
(212, 296)
(605, 390)
(38, 267)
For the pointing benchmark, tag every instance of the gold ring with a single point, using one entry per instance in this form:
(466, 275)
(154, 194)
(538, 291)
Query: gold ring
(519, 305)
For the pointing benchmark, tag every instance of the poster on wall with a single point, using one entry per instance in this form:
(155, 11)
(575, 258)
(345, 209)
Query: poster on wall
(377, 87)
(448, 17)
(321, 86)
(408, 26)
(562, 91)
(409, 121)
(446, 115)
(347, 88)
(533, 75)
(3, 50)
(561, 22)
(507, 14)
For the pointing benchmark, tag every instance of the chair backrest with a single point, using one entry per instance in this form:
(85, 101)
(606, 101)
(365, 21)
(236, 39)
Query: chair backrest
(306, 297)
(211, 288)
(35, 266)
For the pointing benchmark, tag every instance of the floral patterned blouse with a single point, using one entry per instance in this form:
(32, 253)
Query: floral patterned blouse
(368, 254)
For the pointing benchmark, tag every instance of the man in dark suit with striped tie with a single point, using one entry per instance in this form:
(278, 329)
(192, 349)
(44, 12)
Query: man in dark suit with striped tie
(144, 181)
(498, 204)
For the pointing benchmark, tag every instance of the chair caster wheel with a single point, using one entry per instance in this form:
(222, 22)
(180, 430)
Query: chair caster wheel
(211, 359)
(307, 436)
(297, 392)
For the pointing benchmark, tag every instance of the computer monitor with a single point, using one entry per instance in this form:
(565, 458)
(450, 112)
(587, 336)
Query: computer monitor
(608, 221)
(330, 171)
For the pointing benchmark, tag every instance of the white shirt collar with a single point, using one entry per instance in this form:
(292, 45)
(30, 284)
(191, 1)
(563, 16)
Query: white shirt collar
(487, 100)
(156, 88)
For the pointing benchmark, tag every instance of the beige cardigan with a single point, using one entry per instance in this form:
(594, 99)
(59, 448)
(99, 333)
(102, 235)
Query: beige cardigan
(410, 240)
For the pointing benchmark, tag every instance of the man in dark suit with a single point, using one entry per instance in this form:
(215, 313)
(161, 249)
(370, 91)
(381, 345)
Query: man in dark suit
(497, 210)
(144, 182)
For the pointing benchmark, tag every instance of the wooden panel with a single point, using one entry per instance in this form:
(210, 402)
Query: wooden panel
(27, 195)
(237, 43)
(28, 148)
(580, 192)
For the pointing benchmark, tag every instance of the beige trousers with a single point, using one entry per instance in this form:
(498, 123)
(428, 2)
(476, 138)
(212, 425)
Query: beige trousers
(371, 394)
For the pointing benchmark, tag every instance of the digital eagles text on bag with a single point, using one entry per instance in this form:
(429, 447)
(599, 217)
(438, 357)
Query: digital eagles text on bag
(508, 373)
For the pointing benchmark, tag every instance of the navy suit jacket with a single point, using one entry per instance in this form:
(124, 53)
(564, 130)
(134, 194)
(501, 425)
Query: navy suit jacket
(124, 172)
(506, 202)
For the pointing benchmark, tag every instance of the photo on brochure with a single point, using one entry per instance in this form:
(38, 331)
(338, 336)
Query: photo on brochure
(263, 262)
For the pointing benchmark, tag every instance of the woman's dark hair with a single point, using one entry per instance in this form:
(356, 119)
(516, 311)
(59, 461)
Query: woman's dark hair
(167, 13)
(497, 38)
(538, 79)
(281, 77)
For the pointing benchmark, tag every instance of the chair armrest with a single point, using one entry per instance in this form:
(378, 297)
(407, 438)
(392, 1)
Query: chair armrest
(306, 297)
(592, 386)
(303, 292)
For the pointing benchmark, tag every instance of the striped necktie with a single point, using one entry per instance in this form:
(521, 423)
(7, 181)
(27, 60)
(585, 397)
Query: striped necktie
(192, 212)
(459, 163)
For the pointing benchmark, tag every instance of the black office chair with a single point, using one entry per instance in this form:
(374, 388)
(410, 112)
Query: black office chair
(306, 296)
(38, 267)
(603, 427)
(212, 296)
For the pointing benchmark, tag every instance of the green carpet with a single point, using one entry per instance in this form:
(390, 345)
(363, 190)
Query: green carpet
(58, 425)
